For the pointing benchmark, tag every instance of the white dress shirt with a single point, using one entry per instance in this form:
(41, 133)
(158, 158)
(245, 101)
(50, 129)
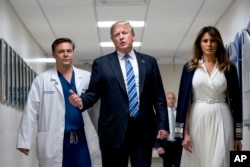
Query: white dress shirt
(172, 119)
(133, 61)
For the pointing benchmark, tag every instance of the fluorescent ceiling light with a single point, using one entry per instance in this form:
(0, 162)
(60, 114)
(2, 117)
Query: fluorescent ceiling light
(110, 44)
(121, 2)
(107, 24)
(41, 60)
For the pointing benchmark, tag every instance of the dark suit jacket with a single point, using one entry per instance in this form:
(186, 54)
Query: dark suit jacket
(107, 83)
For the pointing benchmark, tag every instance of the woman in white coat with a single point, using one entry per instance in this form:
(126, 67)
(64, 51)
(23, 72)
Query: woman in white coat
(65, 136)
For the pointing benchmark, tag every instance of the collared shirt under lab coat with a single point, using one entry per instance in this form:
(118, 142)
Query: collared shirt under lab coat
(45, 106)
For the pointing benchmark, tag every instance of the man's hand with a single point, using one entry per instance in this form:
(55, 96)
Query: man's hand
(160, 150)
(162, 134)
(75, 99)
(24, 150)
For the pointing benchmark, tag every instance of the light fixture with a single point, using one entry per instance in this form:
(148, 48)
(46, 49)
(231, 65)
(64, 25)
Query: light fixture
(107, 24)
(110, 44)
(121, 2)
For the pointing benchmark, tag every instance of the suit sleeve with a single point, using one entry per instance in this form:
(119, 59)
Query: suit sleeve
(160, 100)
(90, 97)
(235, 102)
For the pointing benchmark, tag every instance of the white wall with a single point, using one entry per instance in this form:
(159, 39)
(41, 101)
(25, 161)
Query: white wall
(171, 75)
(15, 34)
(234, 20)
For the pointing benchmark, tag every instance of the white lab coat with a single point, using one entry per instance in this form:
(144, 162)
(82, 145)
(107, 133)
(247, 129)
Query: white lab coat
(45, 107)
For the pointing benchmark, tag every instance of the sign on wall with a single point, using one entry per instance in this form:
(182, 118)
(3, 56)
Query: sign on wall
(16, 77)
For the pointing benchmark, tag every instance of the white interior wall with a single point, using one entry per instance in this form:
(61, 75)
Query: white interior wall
(15, 34)
(235, 19)
(171, 75)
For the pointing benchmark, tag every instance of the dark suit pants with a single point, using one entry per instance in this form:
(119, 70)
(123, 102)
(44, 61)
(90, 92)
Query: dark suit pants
(134, 149)
(172, 154)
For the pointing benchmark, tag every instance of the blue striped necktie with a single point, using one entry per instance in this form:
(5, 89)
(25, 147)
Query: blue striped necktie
(131, 88)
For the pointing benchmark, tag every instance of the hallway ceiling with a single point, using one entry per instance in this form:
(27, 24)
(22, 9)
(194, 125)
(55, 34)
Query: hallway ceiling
(171, 25)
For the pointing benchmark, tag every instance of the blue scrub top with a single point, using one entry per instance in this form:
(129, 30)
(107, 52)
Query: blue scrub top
(73, 117)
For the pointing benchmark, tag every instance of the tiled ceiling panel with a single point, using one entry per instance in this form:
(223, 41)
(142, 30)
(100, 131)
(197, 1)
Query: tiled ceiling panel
(171, 25)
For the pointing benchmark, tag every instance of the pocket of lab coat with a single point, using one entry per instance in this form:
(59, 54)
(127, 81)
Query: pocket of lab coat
(45, 146)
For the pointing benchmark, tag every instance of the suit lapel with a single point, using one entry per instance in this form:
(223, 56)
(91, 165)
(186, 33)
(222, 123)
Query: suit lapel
(142, 70)
(115, 66)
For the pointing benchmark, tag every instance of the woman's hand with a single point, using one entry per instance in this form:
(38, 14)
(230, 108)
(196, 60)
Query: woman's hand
(186, 143)
(237, 145)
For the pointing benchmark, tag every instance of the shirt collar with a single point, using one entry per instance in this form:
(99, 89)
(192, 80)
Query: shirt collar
(131, 54)
(171, 109)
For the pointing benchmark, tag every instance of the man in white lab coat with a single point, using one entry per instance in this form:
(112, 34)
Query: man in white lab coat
(65, 136)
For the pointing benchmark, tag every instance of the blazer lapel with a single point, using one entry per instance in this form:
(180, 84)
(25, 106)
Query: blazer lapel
(142, 70)
(115, 66)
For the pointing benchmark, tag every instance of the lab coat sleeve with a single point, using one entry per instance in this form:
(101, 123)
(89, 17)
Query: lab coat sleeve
(29, 117)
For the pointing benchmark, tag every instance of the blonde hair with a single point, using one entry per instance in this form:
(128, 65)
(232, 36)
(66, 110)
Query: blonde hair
(121, 23)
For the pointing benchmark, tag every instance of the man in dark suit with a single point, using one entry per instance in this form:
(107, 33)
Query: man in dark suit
(170, 149)
(126, 136)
